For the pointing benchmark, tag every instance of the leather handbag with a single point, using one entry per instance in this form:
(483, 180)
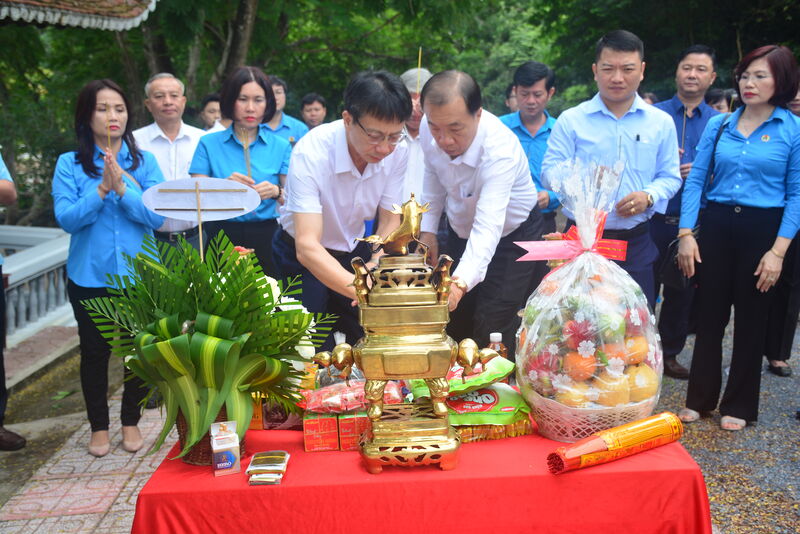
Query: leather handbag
(669, 271)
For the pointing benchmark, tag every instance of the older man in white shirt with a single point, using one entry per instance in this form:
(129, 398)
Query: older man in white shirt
(477, 172)
(172, 142)
(340, 174)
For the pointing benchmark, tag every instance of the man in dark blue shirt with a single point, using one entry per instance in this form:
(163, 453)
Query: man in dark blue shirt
(694, 75)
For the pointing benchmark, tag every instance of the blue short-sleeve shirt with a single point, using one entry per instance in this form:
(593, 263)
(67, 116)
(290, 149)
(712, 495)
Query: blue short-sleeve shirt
(220, 154)
(534, 146)
(290, 129)
(4, 175)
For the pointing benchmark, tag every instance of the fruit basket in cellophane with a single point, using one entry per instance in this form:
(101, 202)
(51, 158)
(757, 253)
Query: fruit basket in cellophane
(588, 351)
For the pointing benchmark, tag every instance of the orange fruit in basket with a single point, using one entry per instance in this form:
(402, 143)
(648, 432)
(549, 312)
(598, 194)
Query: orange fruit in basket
(615, 350)
(548, 287)
(579, 368)
(636, 349)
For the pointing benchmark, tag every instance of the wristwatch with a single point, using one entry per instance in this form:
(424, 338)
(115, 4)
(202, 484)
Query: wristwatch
(650, 200)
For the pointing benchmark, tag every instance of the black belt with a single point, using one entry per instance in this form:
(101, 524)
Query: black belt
(738, 208)
(624, 235)
(289, 240)
(173, 236)
(671, 220)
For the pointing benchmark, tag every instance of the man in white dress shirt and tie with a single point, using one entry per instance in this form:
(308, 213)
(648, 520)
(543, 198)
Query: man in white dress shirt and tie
(477, 173)
(172, 142)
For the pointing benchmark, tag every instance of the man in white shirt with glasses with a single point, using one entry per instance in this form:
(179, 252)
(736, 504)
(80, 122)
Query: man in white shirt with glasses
(340, 174)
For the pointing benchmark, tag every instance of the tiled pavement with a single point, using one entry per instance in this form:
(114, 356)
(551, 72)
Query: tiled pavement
(76, 493)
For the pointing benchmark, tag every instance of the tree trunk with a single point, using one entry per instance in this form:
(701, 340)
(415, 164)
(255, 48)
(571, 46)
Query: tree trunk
(216, 78)
(194, 59)
(135, 90)
(242, 32)
(156, 50)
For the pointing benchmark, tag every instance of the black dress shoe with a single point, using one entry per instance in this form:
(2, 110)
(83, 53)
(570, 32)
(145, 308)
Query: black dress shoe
(10, 441)
(675, 370)
(780, 371)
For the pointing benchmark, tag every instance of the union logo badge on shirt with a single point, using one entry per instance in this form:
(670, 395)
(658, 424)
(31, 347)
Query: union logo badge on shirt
(765, 138)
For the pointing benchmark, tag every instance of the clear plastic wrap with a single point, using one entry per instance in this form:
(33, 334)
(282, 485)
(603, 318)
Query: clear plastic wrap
(588, 351)
(342, 397)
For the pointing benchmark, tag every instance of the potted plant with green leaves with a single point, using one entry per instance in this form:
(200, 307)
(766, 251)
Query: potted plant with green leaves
(207, 333)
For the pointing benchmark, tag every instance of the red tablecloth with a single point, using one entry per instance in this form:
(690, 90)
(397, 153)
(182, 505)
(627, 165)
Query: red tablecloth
(498, 486)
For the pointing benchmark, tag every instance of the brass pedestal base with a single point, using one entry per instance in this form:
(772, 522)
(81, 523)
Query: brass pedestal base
(410, 435)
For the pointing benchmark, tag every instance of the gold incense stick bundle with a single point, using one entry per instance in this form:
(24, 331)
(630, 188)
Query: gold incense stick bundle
(617, 442)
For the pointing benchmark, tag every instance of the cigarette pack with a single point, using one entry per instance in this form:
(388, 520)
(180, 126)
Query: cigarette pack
(320, 432)
(351, 427)
(268, 462)
(257, 422)
(225, 448)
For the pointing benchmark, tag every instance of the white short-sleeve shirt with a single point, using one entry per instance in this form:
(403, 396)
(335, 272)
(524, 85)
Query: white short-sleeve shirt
(323, 179)
(415, 170)
(486, 192)
(173, 157)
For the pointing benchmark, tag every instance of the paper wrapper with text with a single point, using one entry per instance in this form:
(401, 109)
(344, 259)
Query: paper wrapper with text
(617, 442)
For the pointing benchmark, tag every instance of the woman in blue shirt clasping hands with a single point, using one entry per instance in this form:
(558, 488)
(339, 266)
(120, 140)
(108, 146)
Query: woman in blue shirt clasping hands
(97, 196)
(750, 176)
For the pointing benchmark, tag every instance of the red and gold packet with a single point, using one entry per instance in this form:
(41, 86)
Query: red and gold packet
(617, 442)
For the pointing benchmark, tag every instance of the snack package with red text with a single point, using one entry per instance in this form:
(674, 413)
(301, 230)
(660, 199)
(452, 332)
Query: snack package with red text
(588, 351)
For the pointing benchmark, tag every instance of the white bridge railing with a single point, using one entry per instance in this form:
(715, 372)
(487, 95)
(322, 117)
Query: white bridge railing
(34, 272)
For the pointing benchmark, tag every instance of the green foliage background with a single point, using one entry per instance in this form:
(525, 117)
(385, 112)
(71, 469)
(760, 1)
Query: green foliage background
(316, 45)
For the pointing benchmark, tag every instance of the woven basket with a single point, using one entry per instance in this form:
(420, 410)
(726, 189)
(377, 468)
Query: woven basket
(200, 453)
(564, 423)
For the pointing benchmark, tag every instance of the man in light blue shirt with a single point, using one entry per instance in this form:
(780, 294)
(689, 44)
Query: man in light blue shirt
(282, 124)
(9, 441)
(617, 125)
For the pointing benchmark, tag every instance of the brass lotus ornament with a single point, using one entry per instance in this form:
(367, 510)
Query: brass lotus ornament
(403, 310)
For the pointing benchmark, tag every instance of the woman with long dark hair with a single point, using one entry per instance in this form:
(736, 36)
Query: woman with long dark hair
(97, 195)
(248, 152)
(748, 168)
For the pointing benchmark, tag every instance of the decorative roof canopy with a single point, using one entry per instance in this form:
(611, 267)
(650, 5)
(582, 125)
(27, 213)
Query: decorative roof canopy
(114, 15)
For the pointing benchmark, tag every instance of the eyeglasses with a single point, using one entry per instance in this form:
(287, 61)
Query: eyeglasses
(376, 138)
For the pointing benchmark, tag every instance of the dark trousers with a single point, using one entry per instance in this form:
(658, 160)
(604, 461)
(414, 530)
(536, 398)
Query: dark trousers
(255, 234)
(316, 296)
(95, 353)
(732, 242)
(676, 306)
(3, 390)
(540, 268)
(640, 257)
(492, 305)
(785, 309)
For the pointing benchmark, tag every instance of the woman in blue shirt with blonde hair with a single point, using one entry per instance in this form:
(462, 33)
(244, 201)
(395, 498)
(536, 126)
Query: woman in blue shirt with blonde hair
(748, 168)
(248, 152)
(97, 196)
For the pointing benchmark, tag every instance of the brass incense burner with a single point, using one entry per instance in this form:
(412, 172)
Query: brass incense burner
(403, 309)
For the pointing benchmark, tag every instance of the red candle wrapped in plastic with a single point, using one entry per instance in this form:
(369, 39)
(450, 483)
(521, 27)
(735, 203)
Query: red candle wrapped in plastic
(617, 442)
